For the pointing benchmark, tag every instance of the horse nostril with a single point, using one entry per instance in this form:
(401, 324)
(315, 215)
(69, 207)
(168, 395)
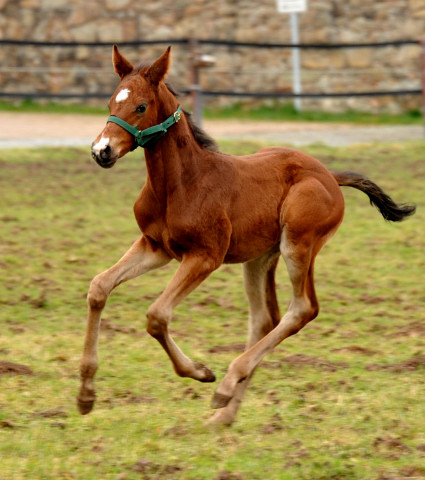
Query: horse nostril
(105, 153)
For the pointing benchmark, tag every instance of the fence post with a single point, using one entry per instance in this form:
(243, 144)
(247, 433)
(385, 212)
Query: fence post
(296, 69)
(422, 43)
(197, 61)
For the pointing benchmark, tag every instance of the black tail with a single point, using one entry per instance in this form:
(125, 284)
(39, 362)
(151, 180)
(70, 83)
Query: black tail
(383, 202)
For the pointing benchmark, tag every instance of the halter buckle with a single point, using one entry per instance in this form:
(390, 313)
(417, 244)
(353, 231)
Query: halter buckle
(177, 116)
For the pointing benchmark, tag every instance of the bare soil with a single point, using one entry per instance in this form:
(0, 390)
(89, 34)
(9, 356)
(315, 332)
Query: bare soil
(36, 129)
(10, 368)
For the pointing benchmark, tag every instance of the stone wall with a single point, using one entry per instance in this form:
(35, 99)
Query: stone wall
(83, 69)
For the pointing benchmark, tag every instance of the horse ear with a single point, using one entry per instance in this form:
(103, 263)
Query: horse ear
(121, 65)
(159, 68)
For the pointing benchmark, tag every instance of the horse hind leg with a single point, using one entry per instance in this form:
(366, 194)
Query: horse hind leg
(312, 215)
(264, 315)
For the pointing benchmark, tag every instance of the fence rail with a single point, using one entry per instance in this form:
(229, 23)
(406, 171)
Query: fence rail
(223, 43)
(213, 93)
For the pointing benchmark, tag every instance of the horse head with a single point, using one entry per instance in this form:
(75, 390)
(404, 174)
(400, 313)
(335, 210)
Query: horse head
(135, 109)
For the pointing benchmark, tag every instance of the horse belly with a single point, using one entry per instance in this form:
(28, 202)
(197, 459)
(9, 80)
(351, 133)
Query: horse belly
(247, 244)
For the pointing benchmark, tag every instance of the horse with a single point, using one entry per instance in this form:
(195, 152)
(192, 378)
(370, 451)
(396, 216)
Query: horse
(205, 208)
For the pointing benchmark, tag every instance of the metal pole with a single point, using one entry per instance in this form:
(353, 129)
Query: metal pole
(195, 87)
(296, 73)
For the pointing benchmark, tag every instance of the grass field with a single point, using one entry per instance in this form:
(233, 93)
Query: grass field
(272, 110)
(342, 400)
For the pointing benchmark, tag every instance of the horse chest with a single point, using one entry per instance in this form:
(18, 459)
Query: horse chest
(151, 216)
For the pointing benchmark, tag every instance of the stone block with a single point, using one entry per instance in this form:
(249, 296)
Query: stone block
(314, 60)
(54, 4)
(116, 5)
(110, 31)
(31, 4)
(358, 57)
(417, 8)
(84, 33)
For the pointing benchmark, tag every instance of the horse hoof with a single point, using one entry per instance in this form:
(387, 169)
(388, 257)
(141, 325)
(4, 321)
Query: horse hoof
(220, 418)
(220, 400)
(207, 375)
(85, 406)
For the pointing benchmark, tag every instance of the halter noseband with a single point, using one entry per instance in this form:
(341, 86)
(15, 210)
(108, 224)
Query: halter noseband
(148, 137)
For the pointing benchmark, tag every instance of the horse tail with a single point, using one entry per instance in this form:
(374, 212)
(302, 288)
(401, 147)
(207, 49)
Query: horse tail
(390, 210)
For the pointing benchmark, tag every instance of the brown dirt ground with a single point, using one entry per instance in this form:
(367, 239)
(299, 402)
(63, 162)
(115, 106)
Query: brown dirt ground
(34, 127)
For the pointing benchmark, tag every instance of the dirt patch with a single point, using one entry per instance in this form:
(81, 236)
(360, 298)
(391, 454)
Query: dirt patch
(8, 424)
(225, 475)
(412, 330)
(413, 364)
(10, 368)
(191, 393)
(176, 431)
(300, 360)
(54, 413)
(136, 399)
(235, 347)
(107, 326)
(60, 129)
(390, 447)
(355, 349)
(275, 425)
(373, 300)
(127, 396)
(151, 470)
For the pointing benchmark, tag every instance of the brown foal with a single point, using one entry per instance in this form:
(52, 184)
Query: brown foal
(204, 208)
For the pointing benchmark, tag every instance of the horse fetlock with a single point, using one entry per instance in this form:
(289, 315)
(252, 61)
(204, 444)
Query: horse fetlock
(88, 370)
(157, 323)
(205, 374)
(220, 400)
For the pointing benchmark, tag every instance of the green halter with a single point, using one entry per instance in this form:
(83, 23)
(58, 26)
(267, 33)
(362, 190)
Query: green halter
(148, 137)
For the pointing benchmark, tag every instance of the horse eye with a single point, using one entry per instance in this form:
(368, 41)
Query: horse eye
(141, 108)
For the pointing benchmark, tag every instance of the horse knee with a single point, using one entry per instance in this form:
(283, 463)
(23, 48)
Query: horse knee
(97, 295)
(157, 322)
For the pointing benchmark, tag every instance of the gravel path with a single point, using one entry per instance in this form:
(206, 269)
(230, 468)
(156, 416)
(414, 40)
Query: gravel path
(45, 129)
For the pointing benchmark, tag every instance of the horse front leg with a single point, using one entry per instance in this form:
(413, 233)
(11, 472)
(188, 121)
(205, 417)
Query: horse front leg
(192, 271)
(139, 259)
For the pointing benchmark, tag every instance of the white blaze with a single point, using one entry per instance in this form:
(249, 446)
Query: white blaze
(122, 95)
(100, 145)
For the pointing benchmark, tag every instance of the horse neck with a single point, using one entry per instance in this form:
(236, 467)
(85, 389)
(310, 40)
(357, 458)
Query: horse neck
(176, 154)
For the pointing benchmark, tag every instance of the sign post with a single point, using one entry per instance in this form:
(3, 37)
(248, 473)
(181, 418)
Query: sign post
(422, 42)
(293, 7)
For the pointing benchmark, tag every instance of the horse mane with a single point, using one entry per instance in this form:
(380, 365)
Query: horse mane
(201, 136)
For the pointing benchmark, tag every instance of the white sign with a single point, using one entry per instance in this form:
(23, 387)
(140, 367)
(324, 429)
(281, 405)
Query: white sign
(289, 6)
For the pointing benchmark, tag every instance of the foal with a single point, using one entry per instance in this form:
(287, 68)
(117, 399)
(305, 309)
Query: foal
(204, 208)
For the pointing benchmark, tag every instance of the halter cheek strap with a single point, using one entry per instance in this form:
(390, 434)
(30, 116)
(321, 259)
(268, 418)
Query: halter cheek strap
(148, 137)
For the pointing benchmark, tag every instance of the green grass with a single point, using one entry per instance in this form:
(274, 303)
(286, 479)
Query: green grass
(286, 112)
(355, 412)
(30, 105)
(265, 112)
